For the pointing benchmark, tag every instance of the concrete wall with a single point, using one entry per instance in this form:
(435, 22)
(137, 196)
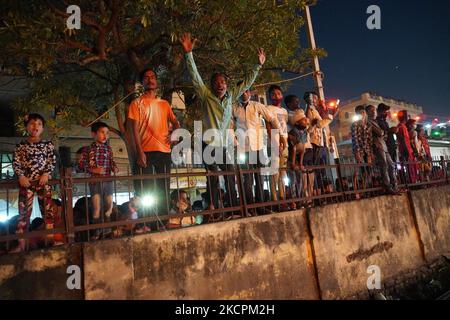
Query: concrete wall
(350, 237)
(279, 256)
(259, 258)
(39, 274)
(432, 207)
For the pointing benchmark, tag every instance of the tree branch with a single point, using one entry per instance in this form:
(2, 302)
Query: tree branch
(78, 45)
(118, 112)
(114, 130)
(89, 59)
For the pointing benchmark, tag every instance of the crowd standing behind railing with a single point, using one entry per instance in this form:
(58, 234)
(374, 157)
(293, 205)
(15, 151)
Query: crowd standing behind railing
(295, 141)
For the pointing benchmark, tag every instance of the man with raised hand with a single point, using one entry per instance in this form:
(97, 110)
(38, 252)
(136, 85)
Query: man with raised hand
(216, 103)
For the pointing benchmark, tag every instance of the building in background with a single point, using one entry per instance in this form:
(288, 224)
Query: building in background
(440, 146)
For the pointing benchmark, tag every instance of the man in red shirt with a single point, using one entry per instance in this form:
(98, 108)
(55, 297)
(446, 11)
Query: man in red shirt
(405, 151)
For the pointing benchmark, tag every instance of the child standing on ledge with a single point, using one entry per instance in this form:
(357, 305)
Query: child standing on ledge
(100, 162)
(34, 161)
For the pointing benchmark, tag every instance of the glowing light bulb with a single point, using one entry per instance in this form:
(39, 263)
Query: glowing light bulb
(148, 200)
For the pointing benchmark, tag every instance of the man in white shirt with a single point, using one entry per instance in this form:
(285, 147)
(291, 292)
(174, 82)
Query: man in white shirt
(248, 116)
(278, 179)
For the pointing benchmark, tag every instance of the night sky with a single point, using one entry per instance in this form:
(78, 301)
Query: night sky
(408, 59)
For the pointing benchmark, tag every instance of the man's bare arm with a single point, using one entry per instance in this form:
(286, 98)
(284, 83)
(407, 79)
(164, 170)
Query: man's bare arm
(141, 158)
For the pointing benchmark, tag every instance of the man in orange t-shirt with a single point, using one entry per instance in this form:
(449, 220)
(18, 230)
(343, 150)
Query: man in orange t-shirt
(150, 117)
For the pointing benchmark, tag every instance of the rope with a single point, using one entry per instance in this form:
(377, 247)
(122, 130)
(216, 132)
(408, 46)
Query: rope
(282, 81)
(110, 109)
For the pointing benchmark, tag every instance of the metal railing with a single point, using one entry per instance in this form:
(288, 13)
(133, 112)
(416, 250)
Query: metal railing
(256, 193)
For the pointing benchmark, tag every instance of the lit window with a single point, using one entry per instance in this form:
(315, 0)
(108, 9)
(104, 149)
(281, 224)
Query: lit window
(6, 166)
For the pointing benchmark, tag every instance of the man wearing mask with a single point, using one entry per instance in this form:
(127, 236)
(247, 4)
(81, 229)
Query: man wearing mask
(381, 153)
(248, 116)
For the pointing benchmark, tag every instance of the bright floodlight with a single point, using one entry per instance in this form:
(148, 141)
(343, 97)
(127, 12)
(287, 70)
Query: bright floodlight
(428, 126)
(148, 200)
(286, 181)
(356, 117)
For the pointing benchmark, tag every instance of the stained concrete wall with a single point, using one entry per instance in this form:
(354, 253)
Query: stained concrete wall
(350, 237)
(432, 207)
(259, 258)
(39, 274)
(279, 256)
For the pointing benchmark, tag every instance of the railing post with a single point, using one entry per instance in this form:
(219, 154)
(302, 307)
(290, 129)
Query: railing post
(67, 186)
(405, 172)
(444, 169)
(242, 196)
(339, 174)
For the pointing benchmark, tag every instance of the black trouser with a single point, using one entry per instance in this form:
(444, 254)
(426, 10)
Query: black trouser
(319, 160)
(157, 162)
(213, 191)
(250, 178)
(393, 153)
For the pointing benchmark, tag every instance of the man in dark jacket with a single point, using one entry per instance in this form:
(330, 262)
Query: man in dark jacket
(382, 113)
(381, 153)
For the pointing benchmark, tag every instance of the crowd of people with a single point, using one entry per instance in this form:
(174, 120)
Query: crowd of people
(294, 138)
(374, 142)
